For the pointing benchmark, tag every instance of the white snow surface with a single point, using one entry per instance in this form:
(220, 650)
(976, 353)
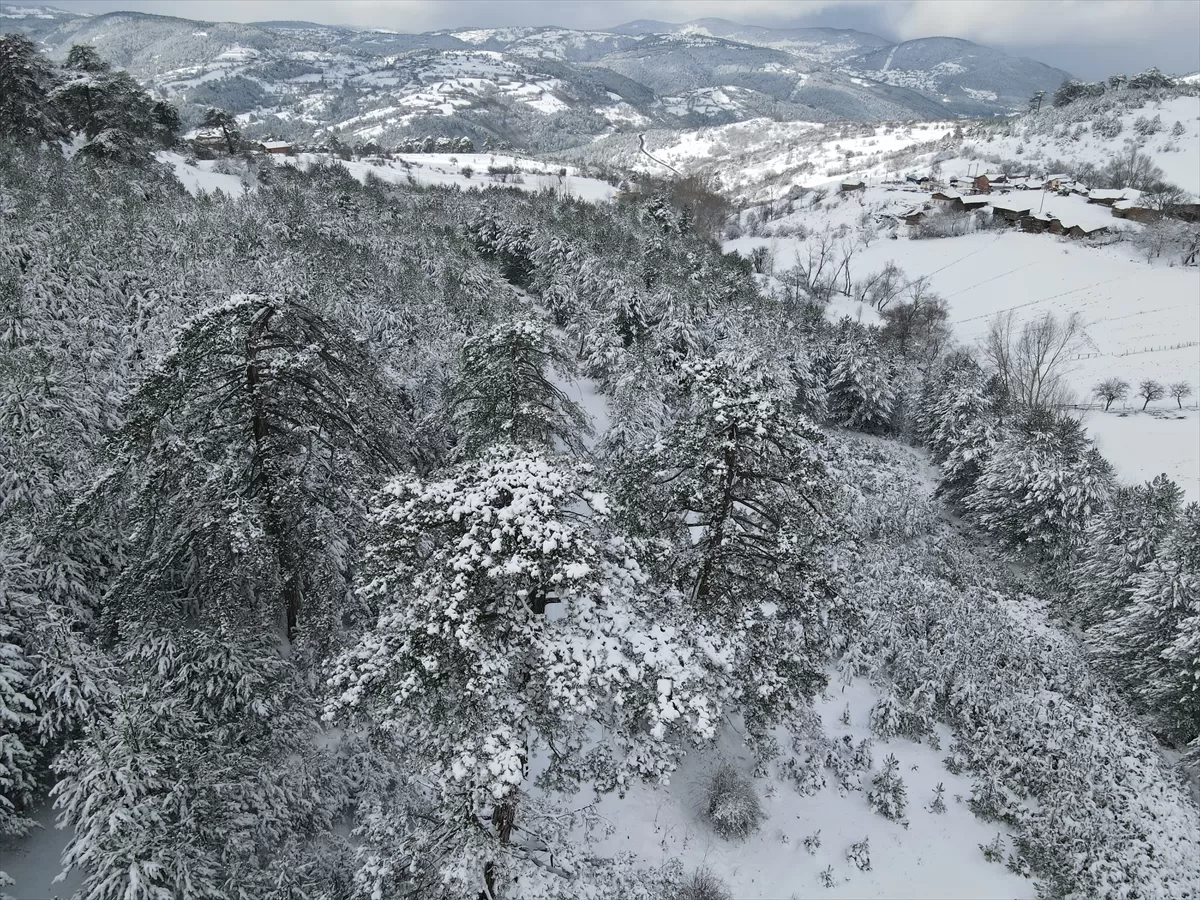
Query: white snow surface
(937, 858)
(445, 170)
(1142, 320)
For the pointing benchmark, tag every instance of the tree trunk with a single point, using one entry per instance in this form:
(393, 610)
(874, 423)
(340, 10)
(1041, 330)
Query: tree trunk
(717, 525)
(273, 525)
(504, 815)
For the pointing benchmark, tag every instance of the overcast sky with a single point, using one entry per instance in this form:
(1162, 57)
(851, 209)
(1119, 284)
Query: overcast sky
(1091, 38)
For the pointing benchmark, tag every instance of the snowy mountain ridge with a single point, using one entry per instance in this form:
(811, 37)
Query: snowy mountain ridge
(553, 87)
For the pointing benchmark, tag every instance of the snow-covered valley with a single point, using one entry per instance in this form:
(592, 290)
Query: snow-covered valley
(772, 488)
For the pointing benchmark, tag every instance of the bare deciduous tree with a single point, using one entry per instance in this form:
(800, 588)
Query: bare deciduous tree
(1180, 391)
(880, 288)
(819, 258)
(918, 325)
(1150, 390)
(1110, 390)
(1033, 361)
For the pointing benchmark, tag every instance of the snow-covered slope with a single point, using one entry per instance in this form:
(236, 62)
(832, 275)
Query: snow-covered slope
(544, 88)
(967, 78)
(963, 77)
(827, 45)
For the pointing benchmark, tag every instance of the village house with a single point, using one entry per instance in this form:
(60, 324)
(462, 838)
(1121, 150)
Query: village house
(970, 204)
(946, 198)
(1012, 210)
(912, 216)
(283, 148)
(206, 141)
(1086, 230)
(1056, 182)
(1035, 223)
(1107, 197)
(988, 181)
(1135, 211)
(1187, 212)
(852, 184)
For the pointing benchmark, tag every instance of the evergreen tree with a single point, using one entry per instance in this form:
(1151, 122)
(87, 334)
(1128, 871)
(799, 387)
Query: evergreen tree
(505, 394)
(111, 110)
(466, 672)
(243, 464)
(1120, 541)
(956, 419)
(887, 795)
(19, 751)
(226, 124)
(27, 115)
(1153, 647)
(204, 783)
(737, 491)
(1042, 484)
(860, 390)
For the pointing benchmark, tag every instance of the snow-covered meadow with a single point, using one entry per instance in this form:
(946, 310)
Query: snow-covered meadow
(1142, 318)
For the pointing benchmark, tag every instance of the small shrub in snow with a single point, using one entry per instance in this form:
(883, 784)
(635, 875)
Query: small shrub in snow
(888, 796)
(827, 878)
(466, 171)
(806, 772)
(860, 854)
(956, 761)
(702, 885)
(993, 852)
(994, 801)
(1147, 127)
(1019, 866)
(812, 843)
(885, 718)
(847, 761)
(732, 805)
(938, 806)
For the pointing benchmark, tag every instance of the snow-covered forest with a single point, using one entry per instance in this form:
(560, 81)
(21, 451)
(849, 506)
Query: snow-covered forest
(374, 539)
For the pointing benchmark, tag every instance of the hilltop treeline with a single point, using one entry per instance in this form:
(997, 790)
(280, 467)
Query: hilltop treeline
(350, 531)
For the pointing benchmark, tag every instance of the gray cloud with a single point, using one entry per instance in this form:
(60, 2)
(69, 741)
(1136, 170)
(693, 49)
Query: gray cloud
(1092, 38)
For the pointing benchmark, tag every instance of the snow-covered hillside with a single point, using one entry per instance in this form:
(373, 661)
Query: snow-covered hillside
(1142, 318)
(543, 88)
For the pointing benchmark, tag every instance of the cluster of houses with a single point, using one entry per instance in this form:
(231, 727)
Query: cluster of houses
(1020, 200)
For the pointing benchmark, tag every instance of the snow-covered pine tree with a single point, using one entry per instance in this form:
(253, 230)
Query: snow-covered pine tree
(26, 114)
(887, 795)
(737, 494)
(116, 117)
(1153, 645)
(1120, 541)
(238, 478)
(860, 391)
(20, 753)
(203, 781)
(508, 626)
(244, 462)
(1042, 484)
(956, 420)
(505, 395)
(636, 407)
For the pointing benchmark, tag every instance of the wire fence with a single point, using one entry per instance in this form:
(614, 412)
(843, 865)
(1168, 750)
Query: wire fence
(1136, 352)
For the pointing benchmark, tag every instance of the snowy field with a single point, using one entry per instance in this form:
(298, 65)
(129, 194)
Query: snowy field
(1142, 445)
(446, 170)
(937, 857)
(1137, 315)
(431, 169)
